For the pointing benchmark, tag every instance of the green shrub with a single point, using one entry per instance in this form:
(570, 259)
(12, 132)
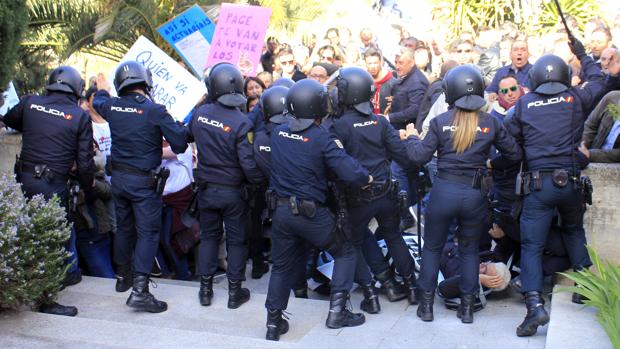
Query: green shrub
(32, 255)
(602, 288)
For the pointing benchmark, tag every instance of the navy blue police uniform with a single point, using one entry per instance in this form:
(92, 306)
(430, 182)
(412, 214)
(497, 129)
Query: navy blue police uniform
(137, 126)
(225, 162)
(371, 140)
(549, 127)
(56, 135)
(299, 166)
(454, 196)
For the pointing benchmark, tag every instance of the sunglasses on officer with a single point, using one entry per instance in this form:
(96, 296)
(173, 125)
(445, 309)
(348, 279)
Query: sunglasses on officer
(511, 89)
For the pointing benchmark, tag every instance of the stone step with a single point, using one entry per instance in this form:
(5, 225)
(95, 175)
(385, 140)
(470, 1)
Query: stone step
(96, 299)
(27, 330)
(574, 326)
(104, 321)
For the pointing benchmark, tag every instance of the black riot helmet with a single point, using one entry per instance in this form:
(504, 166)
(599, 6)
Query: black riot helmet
(273, 101)
(286, 82)
(306, 101)
(65, 79)
(132, 73)
(464, 87)
(550, 75)
(225, 85)
(355, 89)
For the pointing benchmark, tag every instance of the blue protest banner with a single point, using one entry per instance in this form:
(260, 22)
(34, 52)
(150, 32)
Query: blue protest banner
(190, 34)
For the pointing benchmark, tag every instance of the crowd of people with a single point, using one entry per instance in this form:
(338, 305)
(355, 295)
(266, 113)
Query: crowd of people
(344, 126)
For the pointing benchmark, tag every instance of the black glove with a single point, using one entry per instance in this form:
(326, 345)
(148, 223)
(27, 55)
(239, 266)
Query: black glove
(576, 47)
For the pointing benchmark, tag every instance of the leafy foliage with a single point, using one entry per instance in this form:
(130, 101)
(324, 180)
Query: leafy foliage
(602, 288)
(13, 19)
(286, 14)
(32, 236)
(532, 16)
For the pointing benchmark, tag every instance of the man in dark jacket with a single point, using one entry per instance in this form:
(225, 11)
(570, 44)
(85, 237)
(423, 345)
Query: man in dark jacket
(602, 129)
(407, 95)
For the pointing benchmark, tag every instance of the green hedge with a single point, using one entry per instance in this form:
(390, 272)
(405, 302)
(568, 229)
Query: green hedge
(32, 254)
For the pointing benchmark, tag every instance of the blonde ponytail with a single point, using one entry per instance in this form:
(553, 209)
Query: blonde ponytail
(466, 124)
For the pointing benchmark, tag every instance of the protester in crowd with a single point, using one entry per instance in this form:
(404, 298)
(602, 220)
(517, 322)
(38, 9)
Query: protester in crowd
(505, 46)
(509, 92)
(176, 197)
(367, 38)
(599, 41)
(519, 67)
(318, 73)
(253, 87)
(266, 77)
(93, 225)
(407, 94)
(384, 80)
(608, 57)
(462, 51)
(267, 59)
(290, 68)
(327, 54)
(601, 134)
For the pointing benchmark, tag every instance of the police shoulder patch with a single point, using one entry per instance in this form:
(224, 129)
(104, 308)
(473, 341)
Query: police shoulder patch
(250, 136)
(338, 143)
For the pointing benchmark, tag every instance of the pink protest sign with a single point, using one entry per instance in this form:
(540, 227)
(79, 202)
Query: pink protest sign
(239, 36)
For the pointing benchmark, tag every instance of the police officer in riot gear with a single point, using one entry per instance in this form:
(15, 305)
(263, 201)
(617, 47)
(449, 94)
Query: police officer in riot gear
(137, 126)
(372, 141)
(225, 161)
(272, 103)
(548, 123)
(462, 138)
(301, 155)
(45, 161)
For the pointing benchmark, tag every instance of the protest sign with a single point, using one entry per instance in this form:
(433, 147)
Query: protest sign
(173, 87)
(239, 36)
(10, 98)
(190, 33)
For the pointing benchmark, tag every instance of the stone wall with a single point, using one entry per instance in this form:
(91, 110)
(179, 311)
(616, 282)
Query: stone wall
(602, 220)
(10, 145)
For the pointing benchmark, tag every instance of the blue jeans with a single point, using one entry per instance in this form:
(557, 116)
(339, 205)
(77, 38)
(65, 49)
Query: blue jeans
(95, 253)
(450, 201)
(538, 211)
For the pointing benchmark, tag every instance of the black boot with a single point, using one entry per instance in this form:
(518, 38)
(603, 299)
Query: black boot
(339, 316)
(578, 298)
(276, 325)
(71, 279)
(123, 278)
(370, 303)
(536, 314)
(58, 309)
(393, 290)
(301, 293)
(412, 286)
(236, 294)
(259, 267)
(466, 309)
(425, 309)
(206, 290)
(141, 299)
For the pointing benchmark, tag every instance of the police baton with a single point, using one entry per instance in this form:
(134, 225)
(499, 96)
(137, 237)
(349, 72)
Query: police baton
(332, 78)
(557, 5)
